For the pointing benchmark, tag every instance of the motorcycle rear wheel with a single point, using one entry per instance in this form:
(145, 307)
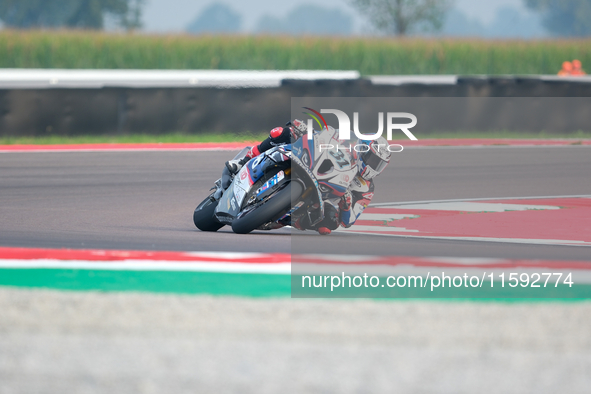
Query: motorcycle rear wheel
(272, 209)
(204, 218)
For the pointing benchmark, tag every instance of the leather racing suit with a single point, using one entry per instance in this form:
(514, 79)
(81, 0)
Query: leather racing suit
(354, 201)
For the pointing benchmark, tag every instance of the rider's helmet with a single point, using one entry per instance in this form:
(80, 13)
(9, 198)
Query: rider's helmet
(297, 127)
(373, 158)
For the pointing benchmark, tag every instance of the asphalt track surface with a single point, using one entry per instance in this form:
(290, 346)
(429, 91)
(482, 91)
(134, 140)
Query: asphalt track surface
(144, 200)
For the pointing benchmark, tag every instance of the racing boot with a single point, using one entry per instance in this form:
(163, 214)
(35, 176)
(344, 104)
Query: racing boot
(330, 221)
(235, 165)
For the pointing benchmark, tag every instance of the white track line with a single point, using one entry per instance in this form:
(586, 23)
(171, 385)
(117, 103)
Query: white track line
(471, 206)
(384, 204)
(548, 242)
(151, 265)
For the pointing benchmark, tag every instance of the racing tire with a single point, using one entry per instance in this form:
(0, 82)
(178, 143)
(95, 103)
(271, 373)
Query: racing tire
(272, 209)
(204, 218)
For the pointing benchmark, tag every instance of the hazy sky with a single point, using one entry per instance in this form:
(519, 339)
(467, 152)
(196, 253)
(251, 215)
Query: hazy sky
(174, 15)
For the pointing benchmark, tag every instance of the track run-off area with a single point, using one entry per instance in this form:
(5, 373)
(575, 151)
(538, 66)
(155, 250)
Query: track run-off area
(107, 286)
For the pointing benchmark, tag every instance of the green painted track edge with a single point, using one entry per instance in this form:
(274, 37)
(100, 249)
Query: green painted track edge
(227, 284)
(179, 282)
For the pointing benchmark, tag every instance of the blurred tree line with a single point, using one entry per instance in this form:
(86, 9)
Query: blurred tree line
(82, 14)
(401, 17)
(570, 18)
(303, 19)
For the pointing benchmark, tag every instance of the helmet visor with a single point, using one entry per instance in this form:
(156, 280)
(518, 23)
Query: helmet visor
(374, 161)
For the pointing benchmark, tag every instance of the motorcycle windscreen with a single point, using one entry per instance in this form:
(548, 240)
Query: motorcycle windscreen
(242, 153)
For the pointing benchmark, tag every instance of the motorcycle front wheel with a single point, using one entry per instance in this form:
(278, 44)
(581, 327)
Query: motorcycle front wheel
(204, 218)
(272, 209)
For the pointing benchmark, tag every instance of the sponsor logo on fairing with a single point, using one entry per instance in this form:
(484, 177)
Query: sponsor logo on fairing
(271, 182)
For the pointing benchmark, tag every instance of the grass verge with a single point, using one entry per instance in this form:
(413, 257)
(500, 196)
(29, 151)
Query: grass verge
(178, 137)
(133, 139)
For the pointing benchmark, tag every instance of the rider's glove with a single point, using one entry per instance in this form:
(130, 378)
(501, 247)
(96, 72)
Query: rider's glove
(346, 200)
(235, 165)
(298, 128)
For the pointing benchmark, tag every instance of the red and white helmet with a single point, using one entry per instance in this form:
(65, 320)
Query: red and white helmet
(374, 158)
(298, 128)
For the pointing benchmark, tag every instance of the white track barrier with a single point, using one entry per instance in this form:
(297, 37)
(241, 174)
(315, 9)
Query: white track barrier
(62, 78)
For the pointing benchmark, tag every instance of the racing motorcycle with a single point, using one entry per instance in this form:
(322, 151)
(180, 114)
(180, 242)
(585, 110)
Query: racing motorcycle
(286, 185)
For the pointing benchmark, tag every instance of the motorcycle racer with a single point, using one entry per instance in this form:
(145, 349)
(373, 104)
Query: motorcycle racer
(371, 163)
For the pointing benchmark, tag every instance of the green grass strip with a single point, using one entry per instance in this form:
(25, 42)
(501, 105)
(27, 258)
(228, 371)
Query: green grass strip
(132, 138)
(248, 137)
